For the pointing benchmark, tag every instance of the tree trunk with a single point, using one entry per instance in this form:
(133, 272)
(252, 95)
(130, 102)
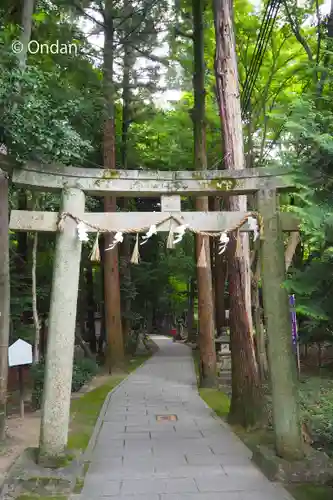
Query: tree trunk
(34, 300)
(220, 272)
(22, 237)
(246, 403)
(89, 279)
(191, 333)
(81, 303)
(102, 336)
(126, 116)
(205, 289)
(28, 10)
(4, 299)
(260, 340)
(111, 260)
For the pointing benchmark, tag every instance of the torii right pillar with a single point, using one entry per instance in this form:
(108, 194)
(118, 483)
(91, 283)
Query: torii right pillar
(288, 437)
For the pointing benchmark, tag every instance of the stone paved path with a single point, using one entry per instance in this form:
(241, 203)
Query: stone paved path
(195, 458)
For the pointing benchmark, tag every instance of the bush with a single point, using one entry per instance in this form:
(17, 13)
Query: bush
(37, 373)
(83, 371)
(132, 342)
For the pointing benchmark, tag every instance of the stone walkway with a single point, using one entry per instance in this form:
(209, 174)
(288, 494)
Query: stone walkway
(196, 457)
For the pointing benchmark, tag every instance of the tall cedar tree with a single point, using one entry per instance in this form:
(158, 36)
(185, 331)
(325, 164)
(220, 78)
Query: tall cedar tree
(246, 402)
(205, 289)
(113, 321)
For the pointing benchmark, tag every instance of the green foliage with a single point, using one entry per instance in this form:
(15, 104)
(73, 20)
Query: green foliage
(316, 399)
(308, 151)
(310, 492)
(37, 373)
(83, 370)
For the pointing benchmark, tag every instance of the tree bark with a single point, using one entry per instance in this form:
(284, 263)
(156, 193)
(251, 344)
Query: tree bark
(191, 333)
(126, 117)
(4, 299)
(22, 237)
(205, 289)
(102, 336)
(28, 10)
(111, 260)
(89, 279)
(246, 402)
(220, 272)
(260, 339)
(34, 299)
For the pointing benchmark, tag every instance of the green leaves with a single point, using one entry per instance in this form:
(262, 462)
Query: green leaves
(40, 16)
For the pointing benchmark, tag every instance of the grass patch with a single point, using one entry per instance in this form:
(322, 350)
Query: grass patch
(311, 492)
(78, 486)
(216, 400)
(85, 410)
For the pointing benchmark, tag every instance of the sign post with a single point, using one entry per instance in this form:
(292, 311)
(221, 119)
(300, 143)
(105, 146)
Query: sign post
(19, 355)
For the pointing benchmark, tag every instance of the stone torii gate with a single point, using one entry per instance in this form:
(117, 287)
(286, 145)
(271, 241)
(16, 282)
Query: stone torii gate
(74, 184)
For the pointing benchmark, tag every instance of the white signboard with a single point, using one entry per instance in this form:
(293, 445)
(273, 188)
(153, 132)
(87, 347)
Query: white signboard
(20, 353)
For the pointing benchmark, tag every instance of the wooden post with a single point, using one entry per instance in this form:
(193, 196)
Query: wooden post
(21, 388)
(4, 299)
(282, 371)
(61, 335)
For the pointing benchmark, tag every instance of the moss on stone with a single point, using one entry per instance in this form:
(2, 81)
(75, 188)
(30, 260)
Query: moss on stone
(222, 184)
(55, 462)
(110, 174)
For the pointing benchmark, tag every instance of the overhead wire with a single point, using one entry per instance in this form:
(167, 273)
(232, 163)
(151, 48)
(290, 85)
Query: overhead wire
(249, 73)
(270, 15)
(266, 27)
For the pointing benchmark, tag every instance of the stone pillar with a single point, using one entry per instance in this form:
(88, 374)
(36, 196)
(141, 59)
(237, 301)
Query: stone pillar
(282, 366)
(61, 334)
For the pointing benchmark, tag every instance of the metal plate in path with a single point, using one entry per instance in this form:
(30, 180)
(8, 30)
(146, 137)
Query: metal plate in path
(166, 418)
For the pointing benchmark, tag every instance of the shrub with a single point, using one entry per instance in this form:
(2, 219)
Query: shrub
(132, 342)
(83, 371)
(37, 373)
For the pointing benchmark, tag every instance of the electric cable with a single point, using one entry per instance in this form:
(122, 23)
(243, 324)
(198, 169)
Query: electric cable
(264, 36)
(262, 55)
(256, 49)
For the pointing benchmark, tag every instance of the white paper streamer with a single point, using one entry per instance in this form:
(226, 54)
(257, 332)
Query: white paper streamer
(82, 232)
(152, 230)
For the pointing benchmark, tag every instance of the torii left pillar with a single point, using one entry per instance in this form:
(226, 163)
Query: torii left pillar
(61, 335)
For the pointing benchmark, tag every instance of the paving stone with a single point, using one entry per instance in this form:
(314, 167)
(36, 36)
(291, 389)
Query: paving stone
(191, 471)
(202, 496)
(104, 488)
(159, 485)
(226, 483)
(196, 457)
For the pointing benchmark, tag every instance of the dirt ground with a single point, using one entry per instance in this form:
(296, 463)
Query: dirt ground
(24, 433)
